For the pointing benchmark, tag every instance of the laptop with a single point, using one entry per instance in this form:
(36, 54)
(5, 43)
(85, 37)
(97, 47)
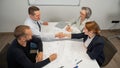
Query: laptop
(61, 25)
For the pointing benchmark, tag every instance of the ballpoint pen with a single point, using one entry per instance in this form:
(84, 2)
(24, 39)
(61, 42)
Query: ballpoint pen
(77, 64)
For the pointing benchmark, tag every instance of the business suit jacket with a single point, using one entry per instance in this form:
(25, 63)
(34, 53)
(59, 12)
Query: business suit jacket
(95, 48)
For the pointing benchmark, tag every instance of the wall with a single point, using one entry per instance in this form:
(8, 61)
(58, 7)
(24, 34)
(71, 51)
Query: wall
(14, 12)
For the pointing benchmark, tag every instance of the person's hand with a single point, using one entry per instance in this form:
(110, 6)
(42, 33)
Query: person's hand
(53, 57)
(68, 28)
(45, 23)
(39, 57)
(60, 35)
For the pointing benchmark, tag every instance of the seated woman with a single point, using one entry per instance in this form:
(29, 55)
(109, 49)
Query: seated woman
(93, 42)
(85, 14)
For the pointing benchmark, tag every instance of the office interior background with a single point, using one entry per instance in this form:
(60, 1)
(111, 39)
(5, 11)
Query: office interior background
(104, 12)
(14, 12)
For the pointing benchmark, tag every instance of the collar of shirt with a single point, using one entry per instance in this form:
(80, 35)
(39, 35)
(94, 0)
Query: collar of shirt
(34, 21)
(18, 44)
(82, 23)
(88, 41)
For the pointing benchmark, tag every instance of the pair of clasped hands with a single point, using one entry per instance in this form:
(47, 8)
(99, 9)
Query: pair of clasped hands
(63, 35)
(60, 35)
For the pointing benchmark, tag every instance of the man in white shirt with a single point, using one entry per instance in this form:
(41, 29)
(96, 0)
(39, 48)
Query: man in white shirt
(85, 14)
(34, 22)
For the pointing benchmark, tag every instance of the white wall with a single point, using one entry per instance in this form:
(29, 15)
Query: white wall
(14, 12)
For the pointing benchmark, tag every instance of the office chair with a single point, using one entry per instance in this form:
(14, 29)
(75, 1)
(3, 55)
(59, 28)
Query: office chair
(109, 51)
(3, 56)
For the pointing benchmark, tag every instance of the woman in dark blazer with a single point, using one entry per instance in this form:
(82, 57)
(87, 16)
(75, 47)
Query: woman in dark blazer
(93, 42)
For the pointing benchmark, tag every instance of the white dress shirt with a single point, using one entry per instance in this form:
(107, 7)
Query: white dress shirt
(88, 41)
(35, 29)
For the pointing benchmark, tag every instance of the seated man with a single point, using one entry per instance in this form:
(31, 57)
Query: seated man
(34, 22)
(17, 53)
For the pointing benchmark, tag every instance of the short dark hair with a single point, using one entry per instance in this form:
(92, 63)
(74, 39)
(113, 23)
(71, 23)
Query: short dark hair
(32, 9)
(20, 31)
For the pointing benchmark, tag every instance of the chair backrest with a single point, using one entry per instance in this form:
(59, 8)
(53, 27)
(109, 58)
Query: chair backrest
(3, 56)
(109, 51)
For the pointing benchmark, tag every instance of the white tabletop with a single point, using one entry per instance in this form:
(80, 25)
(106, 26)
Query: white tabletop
(69, 52)
(51, 28)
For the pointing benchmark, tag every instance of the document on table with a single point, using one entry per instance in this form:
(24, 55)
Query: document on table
(61, 25)
(50, 48)
(67, 54)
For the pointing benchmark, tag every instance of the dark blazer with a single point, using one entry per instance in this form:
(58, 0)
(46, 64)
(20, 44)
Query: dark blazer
(95, 48)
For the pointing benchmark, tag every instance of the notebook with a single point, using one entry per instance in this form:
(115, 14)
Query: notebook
(61, 25)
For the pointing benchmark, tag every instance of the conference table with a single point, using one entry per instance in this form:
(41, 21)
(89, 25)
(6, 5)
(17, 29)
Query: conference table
(70, 52)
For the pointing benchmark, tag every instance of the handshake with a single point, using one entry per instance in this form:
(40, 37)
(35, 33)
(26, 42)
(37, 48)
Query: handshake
(62, 35)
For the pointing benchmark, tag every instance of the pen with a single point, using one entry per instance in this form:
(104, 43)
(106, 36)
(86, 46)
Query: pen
(79, 62)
